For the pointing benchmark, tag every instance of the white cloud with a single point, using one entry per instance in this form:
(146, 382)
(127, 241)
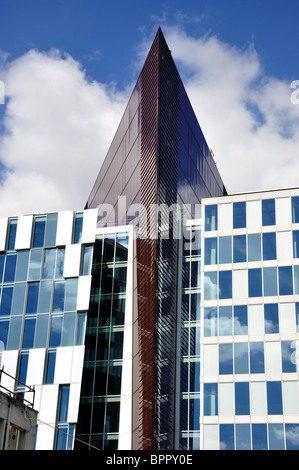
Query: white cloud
(58, 127)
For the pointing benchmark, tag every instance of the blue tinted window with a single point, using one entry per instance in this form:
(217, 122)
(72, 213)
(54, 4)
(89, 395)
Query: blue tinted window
(39, 232)
(49, 264)
(50, 367)
(35, 265)
(269, 246)
(18, 298)
(255, 282)
(51, 229)
(254, 247)
(271, 318)
(297, 316)
(4, 325)
(211, 251)
(45, 294)
(241, 358)
(68, 330)
(32, 297)
(274, 398)
(243, 441)
(270, 281)
(242, 398)
(86, 261)
(225, 250)
(239, 248)
(23, 368)
(64, 393)
(210, 321)
(41, 335)
(81, 318)
(239, 214)
(59, 263)
(55, 331)
(211, 399)
(225, 358)
(10, 267)
(71, 294)
(78, 227)
(288, 356)
(292, 436)
(295, 210)
(12, 231)
(14, 333)
(259, 436)
(296, 243)
(227, 437)
(211, 217)
(2, 261)
(276, 436)
(268, 212)
(6, 300)
(58, 297)
(257, 365)
(28, 335)
(285, 280)
(296, 279)
(210, 286)
(22, 265)
(225, 284)
(240, 320)
(225, 321)
(62, 437)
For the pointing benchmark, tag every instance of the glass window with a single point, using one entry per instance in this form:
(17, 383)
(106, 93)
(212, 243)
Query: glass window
(211, 251)
(254, 247)
(28, 334)
(64, 392)
(297, 316)
(225, 250)
(121, 248)
(296, 243)
(35, 265)
(71, 288)
(68, 330)
(274, 398)
(257, 365)
(108, 252)
(241, 358)
(59, 263)
(270, 281)
(32, 297)
(50, 366)
(2, 261)
(225, 358)
(14, 333)
(44, 302)
(239, 248)
(4, 325)
(22, 265)
(39, 232)
(225, 284)
(259, 436)
(225, 321)
(269, 246)
(6, 300)
(296, 279)
(288, 356)
(211, 217)
(242, 398)
(51, 228)
(10, 267)
(18, 298)
(271, 318)
(55, 331)
(210, 399)
(295, 209)
(120, 278)
(240, 320)
(86, 261)
(243, 441)
(78, 227)
(61, 437)
(268, 212)
(276, 436)
(255, 282)
(81, 320)
(49, 264)
(239, 214)
(292, 436)
(285, 280)
(227, 437)
(210, 321)
(23, 365)
(58, 296)
(210, 285)
(12, 232)
(41, 335)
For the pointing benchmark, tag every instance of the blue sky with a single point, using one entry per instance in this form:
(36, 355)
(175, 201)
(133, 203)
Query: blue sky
(69, 67)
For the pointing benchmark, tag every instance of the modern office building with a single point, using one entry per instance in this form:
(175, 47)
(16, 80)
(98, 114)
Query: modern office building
(163, 315)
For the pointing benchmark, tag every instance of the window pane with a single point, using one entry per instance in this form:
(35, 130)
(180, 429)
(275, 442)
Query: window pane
(226, 437)
(269, 246)
(274, 398)
(210, 321)
(243, 441)
(81, 319)
(292, 436)
(255, 282)
(288, 356)
(270, 281)
(2, 261)
(59, 263)
(120, 278)
(295, 210)
(35, 265)
(225, 284)
(296, 243)
(241, 358)
(78, 227)
(225, 359)
(271, 318)
(68, 332)
(62, 437)
(211, 399)
(211, 217)
(58, 297)
(55, 331)
(71, 294)
(259, 436)
(296, 279)
(239, 214)
(285, 280)
(211, 251)
(6, 300)
(121, 248)
(225, 250)
(257, 358)
(240, 320)
(32, 297)
(14, 333)
(242, 398)
(39, 232)
(225, 321)
(50, 367)
(12, 231)
(49, 264)
(23, 368)
(4, 325)
(64, 393)
(10, 267)
(276, 436)
(268, 212)
(86, 261)
(210, 286)
(41, 335)
(51, 228)
(239, 249)
(28, 335)
(45, 294)
(22, 265)
(254, 247)
(18, 298)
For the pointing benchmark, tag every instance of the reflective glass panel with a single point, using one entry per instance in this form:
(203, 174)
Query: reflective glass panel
(14, 333)
(211, 251)
(257, 365)
(78, 227)
(50, 367)
(225, 321)
(225, 284)
(35, 265)
(296, 279)
(121, 249)
(39, 232)
(276, 436)
(268, 212)
(227, 437)
(41, 335)
(59, 263)
(292, 436)
(210, 321)
(4, 325)
(242, 398)
(211, 399)
(288, 356)
(55, 331)
(6, 300)
(243, 441)
(86, 261)
(269, 246)
(81, 320)
(270, 281)
(51, 228)
(28, 334)
(239, 248)
(2, 261)
(49, 264)
(240, 320)
(45, 293)
(285, 280)
(274, 398)
(239, 214)
(68, 331)
(23, 368)
(71, 294)
(211, 217)
(225, 250)
(58, 296)
(254, 247)
(32, 297)
(10, 267)
(18, 298)
(241, 358)
(255, 282)
(295, 209)
(296, 243)
(12, 231)
(271, 318)
(225, 358)
(259, 436)
(210, 285)
(22, 265)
